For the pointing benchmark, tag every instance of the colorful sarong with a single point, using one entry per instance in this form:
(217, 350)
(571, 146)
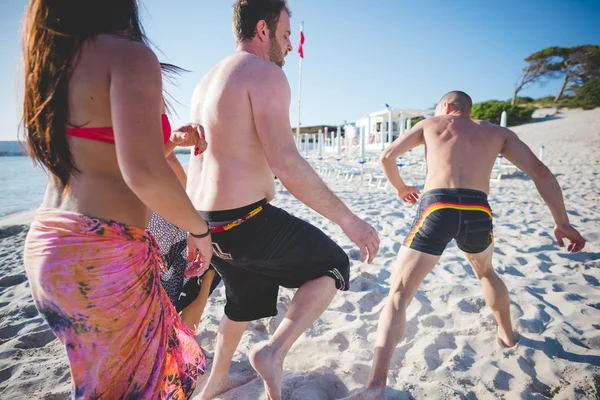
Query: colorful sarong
(97, 284)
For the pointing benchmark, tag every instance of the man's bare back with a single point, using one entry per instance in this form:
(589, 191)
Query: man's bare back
(233, 171)
(460, 152)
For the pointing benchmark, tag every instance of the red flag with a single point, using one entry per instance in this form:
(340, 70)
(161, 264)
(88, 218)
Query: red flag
(300, 50)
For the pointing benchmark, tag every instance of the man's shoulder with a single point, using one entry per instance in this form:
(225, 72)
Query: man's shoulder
(263, 70)
(483, 123)
(489, 126)
(246, 67)
(430, 123)
(492, 130)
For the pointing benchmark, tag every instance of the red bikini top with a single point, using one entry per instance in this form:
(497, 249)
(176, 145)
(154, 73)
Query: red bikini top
(107, 135)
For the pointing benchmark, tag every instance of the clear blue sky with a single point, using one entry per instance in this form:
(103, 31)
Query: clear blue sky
(359, 54)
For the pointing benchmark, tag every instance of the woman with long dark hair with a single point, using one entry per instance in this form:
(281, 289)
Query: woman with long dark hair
(92, 114)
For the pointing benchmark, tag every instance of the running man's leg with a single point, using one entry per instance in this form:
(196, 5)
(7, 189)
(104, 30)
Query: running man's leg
(193, 312)
(412, 267)
(309, 302)
(494, 292)
(228, 338)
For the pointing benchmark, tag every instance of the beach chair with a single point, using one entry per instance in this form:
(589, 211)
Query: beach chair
(502, 168)
(375, 180)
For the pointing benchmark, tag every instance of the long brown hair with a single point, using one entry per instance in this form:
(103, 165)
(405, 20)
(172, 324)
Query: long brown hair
(53, 34)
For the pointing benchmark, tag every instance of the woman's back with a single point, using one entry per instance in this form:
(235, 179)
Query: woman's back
(98, 188)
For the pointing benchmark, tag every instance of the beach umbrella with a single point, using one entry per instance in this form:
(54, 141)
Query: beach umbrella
(338, 137)
(390, 127)
(306, 145)
(361, 143)
(503, 119)
(320, 144)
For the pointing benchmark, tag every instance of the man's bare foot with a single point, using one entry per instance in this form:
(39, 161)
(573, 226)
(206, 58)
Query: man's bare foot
(213, 389)
(505, 340)
(270, 368)
(368, 394)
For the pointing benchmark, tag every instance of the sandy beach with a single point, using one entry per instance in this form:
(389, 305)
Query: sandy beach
(450, 349)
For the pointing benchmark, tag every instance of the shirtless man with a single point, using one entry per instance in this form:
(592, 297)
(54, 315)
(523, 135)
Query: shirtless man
(460, 156)
(243, 104)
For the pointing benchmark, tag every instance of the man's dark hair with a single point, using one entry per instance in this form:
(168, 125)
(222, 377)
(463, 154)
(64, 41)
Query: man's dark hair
(247, 13)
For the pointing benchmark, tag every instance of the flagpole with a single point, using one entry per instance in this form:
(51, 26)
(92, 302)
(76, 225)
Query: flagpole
(300, 93)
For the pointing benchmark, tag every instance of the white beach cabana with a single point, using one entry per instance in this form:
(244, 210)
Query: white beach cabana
(382, 127)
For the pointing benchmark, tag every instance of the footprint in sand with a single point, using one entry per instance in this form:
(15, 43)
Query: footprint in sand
(341, 341)
(432, 352)
(368, 301)
(12, 280)
(502, 380)
(594, 342)
(595, 305)
(433, 321)
(12, 231)
(521, 260)
(29, 311)
(471, 305)
(464, 360)
(591, 280)
(354, 254)
(574, 297)
(7, 373)
(532, 325)
(35, 339)
(558, 287)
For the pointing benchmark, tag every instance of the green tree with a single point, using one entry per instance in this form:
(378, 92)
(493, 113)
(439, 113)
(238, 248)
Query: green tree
(588, 95)
(539, 68)
(491, 111)
(575, 65)
(578, 65)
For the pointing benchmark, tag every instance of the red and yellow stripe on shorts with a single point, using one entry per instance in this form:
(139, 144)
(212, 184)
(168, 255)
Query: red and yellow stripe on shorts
(443, 205)
(237, 222)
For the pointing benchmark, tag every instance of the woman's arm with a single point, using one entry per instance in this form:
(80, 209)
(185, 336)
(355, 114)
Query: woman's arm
(136, 101)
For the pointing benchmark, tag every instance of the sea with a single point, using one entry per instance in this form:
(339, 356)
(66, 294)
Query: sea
(22, 184)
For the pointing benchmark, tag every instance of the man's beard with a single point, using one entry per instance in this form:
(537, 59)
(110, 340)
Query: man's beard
(275, 54)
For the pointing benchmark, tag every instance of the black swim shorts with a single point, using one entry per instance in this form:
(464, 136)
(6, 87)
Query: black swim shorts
(446, 214)
(259, 247)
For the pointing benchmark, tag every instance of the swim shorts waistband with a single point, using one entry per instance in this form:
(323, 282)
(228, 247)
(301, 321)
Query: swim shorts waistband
(455, 192)
(224, 220)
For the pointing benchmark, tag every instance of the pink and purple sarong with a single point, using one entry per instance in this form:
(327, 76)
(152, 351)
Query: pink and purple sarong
(97, 284)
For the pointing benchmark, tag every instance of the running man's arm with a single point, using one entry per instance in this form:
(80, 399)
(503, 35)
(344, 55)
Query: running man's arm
(401, 145)
(520, 154)
(270, 98)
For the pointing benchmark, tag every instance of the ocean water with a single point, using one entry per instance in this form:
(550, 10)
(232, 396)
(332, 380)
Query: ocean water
(22, 185)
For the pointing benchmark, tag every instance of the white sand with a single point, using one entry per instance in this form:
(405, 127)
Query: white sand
(450, 350)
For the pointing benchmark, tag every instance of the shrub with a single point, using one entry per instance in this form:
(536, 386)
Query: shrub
(547, 101)
(416, 120)
(588, 95)
(524, 100)
(491, 111)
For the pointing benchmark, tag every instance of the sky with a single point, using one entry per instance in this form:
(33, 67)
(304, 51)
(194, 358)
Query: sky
(359, 55)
